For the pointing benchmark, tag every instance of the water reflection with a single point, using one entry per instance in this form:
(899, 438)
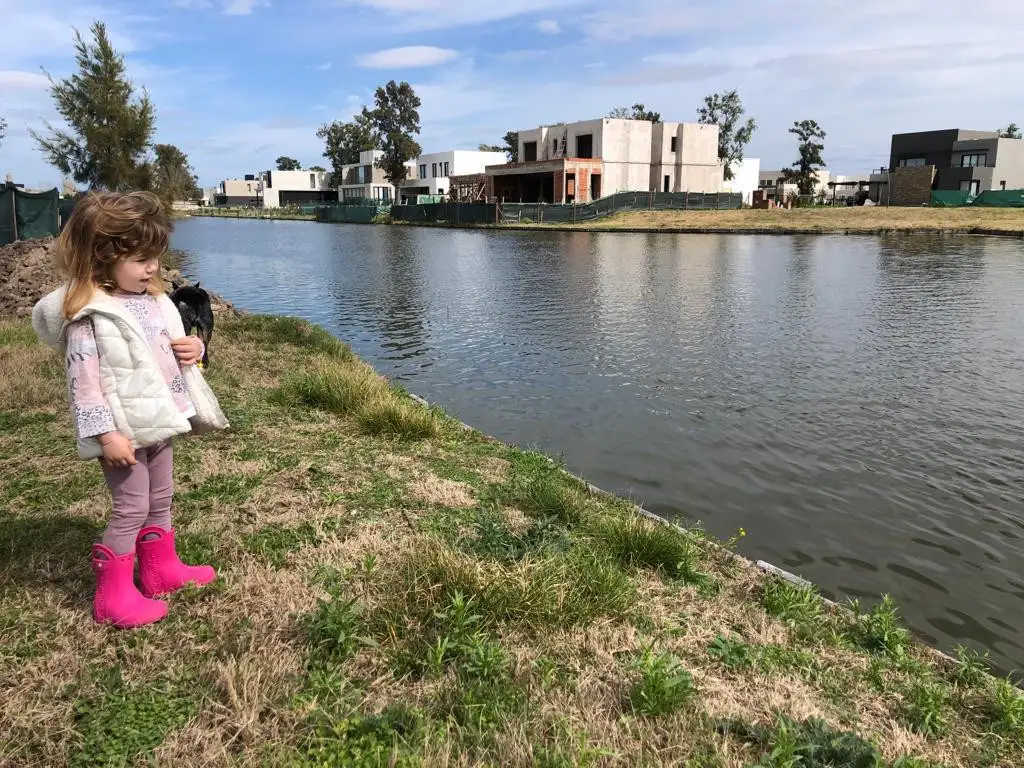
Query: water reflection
(855, 403)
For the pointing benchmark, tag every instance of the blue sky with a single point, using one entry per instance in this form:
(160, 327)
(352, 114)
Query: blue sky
(238, 82)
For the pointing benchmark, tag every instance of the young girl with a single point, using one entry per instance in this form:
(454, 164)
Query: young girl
(132, 385)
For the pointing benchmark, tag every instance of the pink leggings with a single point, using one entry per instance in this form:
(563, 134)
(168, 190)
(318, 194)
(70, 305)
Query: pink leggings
(141, 494)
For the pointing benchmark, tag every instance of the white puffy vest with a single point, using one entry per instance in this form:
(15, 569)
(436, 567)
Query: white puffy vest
(143, 408)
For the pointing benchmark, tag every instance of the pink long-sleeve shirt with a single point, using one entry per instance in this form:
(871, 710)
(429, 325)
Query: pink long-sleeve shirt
(89, 408)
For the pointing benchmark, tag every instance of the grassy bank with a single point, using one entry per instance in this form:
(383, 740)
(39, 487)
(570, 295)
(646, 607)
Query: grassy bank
(853, 220)
(287, 214)
(395, 590)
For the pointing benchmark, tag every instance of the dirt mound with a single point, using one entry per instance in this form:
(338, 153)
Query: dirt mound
(27, 273)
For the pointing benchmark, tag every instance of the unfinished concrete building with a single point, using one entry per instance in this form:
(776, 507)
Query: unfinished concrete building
(579, 162)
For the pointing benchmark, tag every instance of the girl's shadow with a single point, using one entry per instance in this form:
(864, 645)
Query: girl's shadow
(53, 550)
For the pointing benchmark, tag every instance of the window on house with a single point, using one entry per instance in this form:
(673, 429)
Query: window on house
(910, 162)
(440, 191)
(1002, 185)
(433, 170)
(668, 184)
(969, 185)
(423, 171)
(585, 145)
(386, 193)
(445, 169)
(974, 160)
(554, 148)
(529, 151)
(595, 186)
(673, 142)
(312, 181)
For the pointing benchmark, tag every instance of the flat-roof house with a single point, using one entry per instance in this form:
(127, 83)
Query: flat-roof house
(295, 188)
(583, 161)
(968, 161)
(431, 173)
(365, 180)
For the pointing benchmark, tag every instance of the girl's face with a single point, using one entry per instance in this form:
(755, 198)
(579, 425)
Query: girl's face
(133, 274)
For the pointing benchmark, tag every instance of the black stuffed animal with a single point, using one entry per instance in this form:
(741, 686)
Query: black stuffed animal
(193, 305)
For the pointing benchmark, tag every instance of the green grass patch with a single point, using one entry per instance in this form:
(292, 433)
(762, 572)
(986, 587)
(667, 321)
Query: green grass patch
(811, 743)
(388, 416)
(17, 335)
(540, 489)
(340, 389)
(798, 606)
(270, 331)
(662, 684)
(232, 488)
(546, 592)
(122, 724)
(880, 630)
(636, 542)
(731, 653)
(273, 543)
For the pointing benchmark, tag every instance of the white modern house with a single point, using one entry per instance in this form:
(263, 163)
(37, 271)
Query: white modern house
(745, 178)
(295, 187)
(778, 189)
(365, 180)
(430, 173)
(582, 161)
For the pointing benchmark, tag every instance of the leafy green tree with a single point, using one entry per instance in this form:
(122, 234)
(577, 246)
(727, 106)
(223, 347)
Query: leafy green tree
(109, 129)
(173, 177)
(395, 119)
(726, 111)
(804, 170)
(491, 148)
(344, 141)
(511, 139)
(285, 163)
(317, 168)
(1010, 132)
(638, 112)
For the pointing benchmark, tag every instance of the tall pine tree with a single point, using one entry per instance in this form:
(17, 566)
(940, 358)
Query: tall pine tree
(109, 128)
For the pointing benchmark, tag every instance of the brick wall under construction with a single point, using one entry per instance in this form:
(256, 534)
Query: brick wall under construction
(911, 185)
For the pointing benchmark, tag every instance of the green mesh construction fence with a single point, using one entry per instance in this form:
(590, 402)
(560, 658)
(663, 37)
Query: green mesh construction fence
(942, 198)
(346, 214)
(27, 215)
(505, 212)
(1001, 198)
(621, 201)
(993, 198)
(453, 213)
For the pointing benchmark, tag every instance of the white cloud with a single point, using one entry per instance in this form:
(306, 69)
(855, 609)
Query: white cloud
(323, 67)
(407, 57)
(13, 80)
(549, 26)
(445, 14)
(243, 7)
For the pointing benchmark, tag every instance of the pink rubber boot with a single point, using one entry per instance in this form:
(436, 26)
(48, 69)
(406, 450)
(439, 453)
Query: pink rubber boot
(117, 601)
(160, 569)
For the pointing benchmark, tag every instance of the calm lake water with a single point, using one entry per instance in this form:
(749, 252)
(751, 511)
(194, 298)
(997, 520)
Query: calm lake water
(855, 403)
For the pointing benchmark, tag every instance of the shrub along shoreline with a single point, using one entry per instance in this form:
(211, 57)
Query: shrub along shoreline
(397, 590)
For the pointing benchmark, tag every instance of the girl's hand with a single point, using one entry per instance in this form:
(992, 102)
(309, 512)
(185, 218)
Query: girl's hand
(187, 349)
(117, 450)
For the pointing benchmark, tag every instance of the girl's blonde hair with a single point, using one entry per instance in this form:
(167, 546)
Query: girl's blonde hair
(106, 228)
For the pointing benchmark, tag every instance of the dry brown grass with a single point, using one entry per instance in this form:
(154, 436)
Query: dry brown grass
(302, 510)
(840, 219)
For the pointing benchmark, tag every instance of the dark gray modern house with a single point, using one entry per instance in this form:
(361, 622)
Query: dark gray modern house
(970, 161)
